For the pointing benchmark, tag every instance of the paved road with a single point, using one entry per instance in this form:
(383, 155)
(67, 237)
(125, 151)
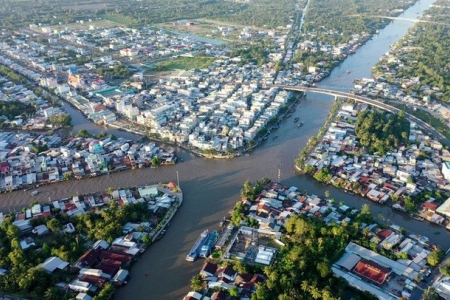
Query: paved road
(425, 126)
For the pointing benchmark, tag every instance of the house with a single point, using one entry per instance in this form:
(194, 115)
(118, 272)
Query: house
(80, 286)
(430, 206)
(88, 259)
(27, 243)
(209, 269)
(193, 296)
(53, 264)
(83, 296)
(219, 295)
(40, 230)
(101, 244)
(446, 170)
(227, 273)
(372, 271)
(120, 277)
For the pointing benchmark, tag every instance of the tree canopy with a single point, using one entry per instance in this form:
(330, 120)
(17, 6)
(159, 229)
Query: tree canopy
(381, 131)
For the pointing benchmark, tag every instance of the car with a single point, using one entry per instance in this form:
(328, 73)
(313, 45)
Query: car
(428, 272)
(34, 193)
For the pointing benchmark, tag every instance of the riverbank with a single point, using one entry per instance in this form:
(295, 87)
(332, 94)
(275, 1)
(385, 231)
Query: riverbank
(312, 142)
(340, 159)
(115, 225)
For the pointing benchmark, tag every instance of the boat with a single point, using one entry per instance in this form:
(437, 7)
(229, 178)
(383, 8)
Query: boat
(296, 119)
(193, 254)
(348, 71)
(209, 243)
(160, 235)
(300, 124)
(275, 137)
(416, 217)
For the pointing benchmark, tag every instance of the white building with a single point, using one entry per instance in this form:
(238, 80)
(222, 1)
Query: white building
(446, 170)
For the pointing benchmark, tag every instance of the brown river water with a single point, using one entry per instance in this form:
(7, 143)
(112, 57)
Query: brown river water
(211, 187)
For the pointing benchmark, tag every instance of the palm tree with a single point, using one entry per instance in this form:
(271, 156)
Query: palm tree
(315, 293)
(305, 285)
(430, 294)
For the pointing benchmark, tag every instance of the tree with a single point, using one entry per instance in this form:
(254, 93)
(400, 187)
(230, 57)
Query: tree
(53, 293)
(234, 292)
(248, 192)
(105, 293)
(445, 270)
(430, 294)
(146, 240)
(435, 257)
(156, 161)
(54, 225)
(197, 283)
(68, 176)
(84, 133)
(324, 269)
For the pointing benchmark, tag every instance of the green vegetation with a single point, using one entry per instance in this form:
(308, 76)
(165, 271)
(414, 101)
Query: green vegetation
(60, 120)
(250, 192)
(425, 116)
(118, 71)
(303, 155)
(424, 53)
(348, 17)
(184, 63)
(381, 131)
(26, 279)
(12, 75)
(302, 269)
(15, 14)
(256, 53)
(435, 257)
(11, 109)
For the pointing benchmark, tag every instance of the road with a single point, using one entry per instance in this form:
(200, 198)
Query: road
(425, 126)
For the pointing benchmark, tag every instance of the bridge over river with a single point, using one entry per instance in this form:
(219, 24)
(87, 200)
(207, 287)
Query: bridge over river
(425, 126)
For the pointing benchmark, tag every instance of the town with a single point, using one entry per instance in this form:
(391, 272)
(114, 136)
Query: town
(385, 261)
(30, 160)
(101, 257)
(217, 89)
(413, 177)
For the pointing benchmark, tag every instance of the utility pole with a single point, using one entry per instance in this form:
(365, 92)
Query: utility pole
(279, 174)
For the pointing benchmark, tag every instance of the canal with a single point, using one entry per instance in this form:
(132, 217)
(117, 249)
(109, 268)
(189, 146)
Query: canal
(211, 187)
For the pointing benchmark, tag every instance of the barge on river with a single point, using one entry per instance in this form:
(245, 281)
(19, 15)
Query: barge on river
(195, 250)
(209, 243)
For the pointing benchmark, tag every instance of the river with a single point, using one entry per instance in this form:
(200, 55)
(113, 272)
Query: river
(211, 187)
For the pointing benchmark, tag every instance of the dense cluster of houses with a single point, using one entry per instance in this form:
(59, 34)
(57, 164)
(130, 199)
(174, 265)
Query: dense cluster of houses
(11, 92)
(21, 166)
(379, 88)
(390, 65)
(361, 267)
(225, 278)
(405, 171)
(104, 262)
(221, 107)
(383, 277)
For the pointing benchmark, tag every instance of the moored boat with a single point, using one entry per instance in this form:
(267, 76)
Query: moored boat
(209, 243)
(193, 254)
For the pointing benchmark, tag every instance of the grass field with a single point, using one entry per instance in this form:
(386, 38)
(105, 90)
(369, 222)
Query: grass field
(184, 63)
(116, 18)
(85, 25)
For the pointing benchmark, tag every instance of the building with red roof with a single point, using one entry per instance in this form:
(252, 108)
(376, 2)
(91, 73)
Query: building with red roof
(372, 271)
